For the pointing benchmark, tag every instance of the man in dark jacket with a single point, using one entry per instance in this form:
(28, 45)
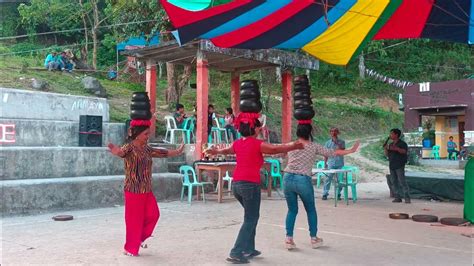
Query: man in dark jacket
(397, 157)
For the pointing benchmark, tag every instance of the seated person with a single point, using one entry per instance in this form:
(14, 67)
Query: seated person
(179, 115)
(452, 148)
(65, 63)
(51, 63)
(229, 123)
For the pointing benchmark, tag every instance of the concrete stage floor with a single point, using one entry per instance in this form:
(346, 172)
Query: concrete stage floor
(203, 234)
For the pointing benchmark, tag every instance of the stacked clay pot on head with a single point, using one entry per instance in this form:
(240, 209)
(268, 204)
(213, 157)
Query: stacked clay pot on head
(302, 98)
(140, 106)
(250, 97)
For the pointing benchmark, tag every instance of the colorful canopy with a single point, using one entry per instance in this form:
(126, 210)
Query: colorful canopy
(331, 30)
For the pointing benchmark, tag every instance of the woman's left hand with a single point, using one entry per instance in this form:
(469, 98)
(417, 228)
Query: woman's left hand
(180, 149)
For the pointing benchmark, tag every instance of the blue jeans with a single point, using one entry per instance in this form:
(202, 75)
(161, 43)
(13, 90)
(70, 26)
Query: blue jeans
(328, 181)
(248, 194)
(300, 185)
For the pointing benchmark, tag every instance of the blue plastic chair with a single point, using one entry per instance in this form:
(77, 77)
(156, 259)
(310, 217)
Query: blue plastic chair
(188, 128)
(189, 180)
(319, 165)
(435, 152)
(351, 182)
(274, 172)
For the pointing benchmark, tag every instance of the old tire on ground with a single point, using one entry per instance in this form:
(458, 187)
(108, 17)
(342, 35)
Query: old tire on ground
(398, 215)
(423, 218)
(452, 221)
(63, 217)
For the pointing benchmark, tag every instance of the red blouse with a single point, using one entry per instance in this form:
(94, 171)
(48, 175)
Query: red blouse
(249, 159)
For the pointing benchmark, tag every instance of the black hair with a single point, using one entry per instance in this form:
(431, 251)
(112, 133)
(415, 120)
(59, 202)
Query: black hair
(210, 106)
(230, 110)
(246, 130)
(451, 137)
(305, 131)
(179, 106)
(397, 132)
(133, 132)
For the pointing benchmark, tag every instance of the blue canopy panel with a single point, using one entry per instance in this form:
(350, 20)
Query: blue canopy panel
(138, 41)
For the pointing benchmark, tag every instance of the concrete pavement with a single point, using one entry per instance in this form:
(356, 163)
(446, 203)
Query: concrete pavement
(203, 234)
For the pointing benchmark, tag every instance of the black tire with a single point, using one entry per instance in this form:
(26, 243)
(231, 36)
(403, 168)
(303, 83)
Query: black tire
(249, 94)
(304, 102)
(399, 216)
(140, 114)
(301, 94)
(140, 96)
(250, 106)
(452, 221)
(301, 114)
(250, 83)
(302, 89)
(63, 217)
(423, 218)
(300, 79)
(140, 105)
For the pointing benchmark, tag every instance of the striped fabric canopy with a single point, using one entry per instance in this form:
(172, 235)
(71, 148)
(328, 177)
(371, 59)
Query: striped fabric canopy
(333, 31)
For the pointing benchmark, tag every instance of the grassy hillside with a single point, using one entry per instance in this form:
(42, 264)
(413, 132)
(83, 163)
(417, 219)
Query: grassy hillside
(360, 107)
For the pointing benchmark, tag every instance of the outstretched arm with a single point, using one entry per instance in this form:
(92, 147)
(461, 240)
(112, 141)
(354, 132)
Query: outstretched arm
(161, 152)
(268, 148)
(351, 150)
(213, 150)
(115, 150)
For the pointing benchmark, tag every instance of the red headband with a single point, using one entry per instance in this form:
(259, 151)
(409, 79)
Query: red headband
(138, 123)
(246, 118)
(305, 122)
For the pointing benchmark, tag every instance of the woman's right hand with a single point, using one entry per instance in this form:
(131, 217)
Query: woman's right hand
(298, 145)
(114, 149)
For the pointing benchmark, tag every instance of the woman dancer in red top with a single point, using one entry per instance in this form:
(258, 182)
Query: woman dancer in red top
(141, 209)
(246, 181)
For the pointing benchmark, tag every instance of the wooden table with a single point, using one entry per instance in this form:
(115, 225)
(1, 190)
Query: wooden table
(335, 179)
(221, 168)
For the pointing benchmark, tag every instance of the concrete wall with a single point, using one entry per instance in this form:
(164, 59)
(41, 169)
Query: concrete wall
(20, 197)
(56, 162)
(22, 104)
(35, 133)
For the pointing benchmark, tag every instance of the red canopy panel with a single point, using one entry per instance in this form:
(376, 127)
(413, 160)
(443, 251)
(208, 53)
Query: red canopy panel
(408, 21)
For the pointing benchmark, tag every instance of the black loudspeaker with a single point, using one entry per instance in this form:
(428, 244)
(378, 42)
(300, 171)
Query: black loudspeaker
(90, 131)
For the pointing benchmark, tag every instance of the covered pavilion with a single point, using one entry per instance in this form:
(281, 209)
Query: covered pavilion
(234, 61)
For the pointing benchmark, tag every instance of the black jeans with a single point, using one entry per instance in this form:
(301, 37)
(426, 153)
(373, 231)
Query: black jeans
(248, 194)
(400, 186)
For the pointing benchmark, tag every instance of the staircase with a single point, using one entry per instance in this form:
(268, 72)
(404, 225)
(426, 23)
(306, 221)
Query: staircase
(44, 170)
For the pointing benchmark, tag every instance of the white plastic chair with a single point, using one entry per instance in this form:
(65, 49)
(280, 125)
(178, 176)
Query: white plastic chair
(224, 179)
(217, 132)
(265, 133)
(171, 128)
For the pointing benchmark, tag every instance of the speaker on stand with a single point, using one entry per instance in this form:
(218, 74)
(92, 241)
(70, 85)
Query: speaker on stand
(90, 131)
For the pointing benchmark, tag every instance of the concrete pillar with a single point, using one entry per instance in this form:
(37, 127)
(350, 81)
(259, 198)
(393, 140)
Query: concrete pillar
(151, 89)
(202, 101)
(235, 91)
(287, 106)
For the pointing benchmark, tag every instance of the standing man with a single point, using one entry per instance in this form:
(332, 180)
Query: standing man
(334, 162)
(397, 157)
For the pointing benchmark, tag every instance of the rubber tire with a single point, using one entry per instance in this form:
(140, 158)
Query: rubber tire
(301, 94)
(63, 217)
(452, 221)
(249, 94)
(302, 89)
(140, 96)
(301, 114)
(140, 114)
(398, 216)
(250, 106)
(249, 83)
(140, 105)
(423, 218)
(306, 102)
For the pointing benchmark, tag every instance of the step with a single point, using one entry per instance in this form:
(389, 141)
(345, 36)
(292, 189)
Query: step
(32, 196)
(57, 162)
(38, 133)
